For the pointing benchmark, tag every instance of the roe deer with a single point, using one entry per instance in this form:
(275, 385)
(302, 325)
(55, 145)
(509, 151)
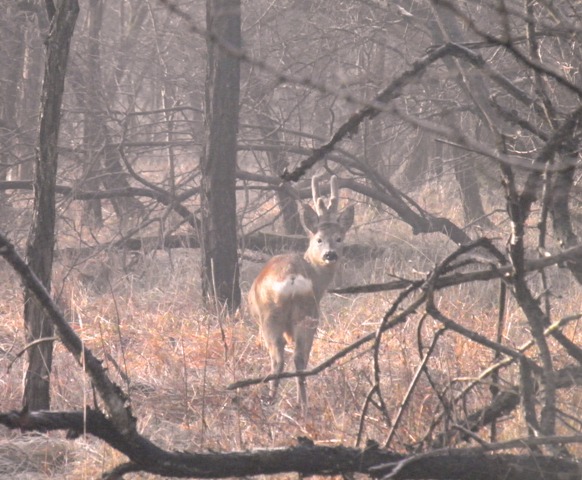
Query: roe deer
(285, 296)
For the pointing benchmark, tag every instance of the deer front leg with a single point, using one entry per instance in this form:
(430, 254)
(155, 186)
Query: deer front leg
(304, 334)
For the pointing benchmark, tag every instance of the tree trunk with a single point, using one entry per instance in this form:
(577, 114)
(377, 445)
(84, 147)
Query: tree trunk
(470, 192)
(12, 58)
(446, 28)
(560, 210)
(34, 58)
(373, 131)
(91, 128)
(102, 164)
(41, 240)
(277, 162)
(220, 272)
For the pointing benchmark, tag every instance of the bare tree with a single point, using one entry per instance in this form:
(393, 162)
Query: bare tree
(118, 427)
(40, 246)
(220, 272)
(21, 54)
(413, 104)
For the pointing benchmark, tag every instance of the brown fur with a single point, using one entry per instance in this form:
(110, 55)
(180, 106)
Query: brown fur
(285, 296)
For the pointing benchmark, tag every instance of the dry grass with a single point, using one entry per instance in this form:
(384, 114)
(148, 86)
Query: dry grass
(34, 456)
(148, 324)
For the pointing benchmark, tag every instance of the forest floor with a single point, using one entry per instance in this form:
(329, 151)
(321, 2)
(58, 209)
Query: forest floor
(176, 357)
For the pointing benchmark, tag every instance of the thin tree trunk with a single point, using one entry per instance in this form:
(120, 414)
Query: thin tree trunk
(102, 164)
(560, 210)
(31, 91)
(12, 57)
(41, 241)
(277, 162)
(470, 192)
(92, 138)
(445, 28)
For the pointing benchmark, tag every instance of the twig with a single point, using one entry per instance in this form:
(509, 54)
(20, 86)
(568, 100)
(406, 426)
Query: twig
(505, 401)
(26, 347)
(412, 386)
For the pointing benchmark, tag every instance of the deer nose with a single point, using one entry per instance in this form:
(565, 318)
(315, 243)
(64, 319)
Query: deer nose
(330, 256)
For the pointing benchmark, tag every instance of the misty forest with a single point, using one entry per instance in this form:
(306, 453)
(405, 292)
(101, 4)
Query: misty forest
(412, 165)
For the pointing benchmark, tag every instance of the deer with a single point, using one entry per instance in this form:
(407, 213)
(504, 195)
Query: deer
(284, 298)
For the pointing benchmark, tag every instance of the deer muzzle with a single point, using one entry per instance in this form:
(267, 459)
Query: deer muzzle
(330, 257)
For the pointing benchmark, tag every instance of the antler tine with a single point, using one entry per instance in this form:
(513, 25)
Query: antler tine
(318, 202)
(333, 196)
(315, 187)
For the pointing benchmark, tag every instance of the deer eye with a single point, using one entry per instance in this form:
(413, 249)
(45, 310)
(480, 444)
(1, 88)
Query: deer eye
(319, 240)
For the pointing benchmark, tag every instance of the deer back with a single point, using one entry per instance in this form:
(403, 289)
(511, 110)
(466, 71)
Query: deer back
(291, 286)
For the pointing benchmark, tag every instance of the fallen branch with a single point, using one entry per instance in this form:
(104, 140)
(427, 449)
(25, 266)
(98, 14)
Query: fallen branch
(309, 459)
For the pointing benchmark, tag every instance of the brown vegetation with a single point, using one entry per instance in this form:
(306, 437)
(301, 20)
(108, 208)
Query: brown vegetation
(176, 359)
(450, 345)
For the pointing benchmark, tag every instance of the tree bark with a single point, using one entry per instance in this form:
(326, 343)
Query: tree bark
(277, 162)
(470, 192)
(220, 271)
(92, 135)
(12, 57)
(446, 28)
(31, 90)
(560, 212)
(41, 241)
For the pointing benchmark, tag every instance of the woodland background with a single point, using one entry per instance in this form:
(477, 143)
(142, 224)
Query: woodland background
(172, 156)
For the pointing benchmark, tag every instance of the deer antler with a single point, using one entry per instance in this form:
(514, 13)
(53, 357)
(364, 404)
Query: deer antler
(324, 212)
(333, 196)
(315, 187)
(318, 201)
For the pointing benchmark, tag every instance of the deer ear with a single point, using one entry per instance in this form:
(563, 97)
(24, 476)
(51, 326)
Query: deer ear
(309, 219)
(346, 218)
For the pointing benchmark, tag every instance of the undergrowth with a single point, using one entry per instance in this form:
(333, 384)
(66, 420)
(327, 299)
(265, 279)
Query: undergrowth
(176, 356)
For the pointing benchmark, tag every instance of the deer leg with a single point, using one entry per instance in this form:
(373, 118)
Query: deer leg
(304, 334)
(277, 354)
(274, 340)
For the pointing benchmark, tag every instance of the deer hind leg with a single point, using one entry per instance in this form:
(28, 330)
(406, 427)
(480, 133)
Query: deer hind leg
(303, 335)
(275, 342)
(277, 353)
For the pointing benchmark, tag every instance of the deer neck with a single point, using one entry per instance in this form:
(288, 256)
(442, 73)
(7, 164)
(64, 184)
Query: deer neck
(322, 273)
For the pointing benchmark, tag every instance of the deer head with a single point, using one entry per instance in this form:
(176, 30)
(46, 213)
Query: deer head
(325, 226)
